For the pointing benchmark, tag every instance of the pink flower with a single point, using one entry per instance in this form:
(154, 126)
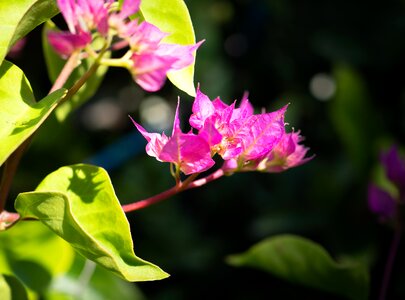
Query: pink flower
(247, 141)
(151, 59)
(236, 133)
(286, 154)
(81, 16)
(189, 152)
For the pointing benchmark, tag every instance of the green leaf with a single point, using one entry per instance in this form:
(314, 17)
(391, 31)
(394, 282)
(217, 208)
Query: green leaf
(173, 17)
(34, 254)
(55, 63)
(302, 261)
(17, 18)
(354, 117)
(79, 204)
(11, 288)
(20, 115)
(87, 280)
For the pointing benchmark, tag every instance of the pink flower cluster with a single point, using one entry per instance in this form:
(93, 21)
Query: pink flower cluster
(245, 141)
(149, 59)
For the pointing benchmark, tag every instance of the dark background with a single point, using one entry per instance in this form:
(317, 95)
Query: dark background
(273, 49)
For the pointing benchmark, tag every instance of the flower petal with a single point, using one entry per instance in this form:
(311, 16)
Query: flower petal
(129, 7)
(65, 43)
(202, 109)
(149, 70)
(67, 8)
(190, 152)
(380, 202)
(155, 141)
(394, 166)
(184, 54)
(210, 133)
(261, 133)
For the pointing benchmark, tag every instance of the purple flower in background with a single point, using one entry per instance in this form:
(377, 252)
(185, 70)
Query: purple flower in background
(380, 201)
(394, 167)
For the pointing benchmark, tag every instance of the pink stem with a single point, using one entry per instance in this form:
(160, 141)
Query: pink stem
(390, 262)
(8, 219)
(173, 191)
(119, 45)
(64, 75)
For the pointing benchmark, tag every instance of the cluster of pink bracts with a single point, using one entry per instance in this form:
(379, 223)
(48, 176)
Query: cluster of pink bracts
(149, 59)
(245, 141)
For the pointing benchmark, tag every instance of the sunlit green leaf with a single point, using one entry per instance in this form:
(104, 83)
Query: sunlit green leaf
(79, 203)
(55, 63)
(17, 18)
(173, 17)
(20, 115)
(34, 254)
(11, 288)
(302, 261)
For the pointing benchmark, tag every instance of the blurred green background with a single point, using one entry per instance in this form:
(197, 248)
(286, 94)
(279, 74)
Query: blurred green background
(340, 66)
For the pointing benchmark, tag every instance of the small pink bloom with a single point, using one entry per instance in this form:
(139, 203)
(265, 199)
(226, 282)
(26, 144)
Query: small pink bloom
(191, 153)
(286, 154)
(152, 60)
(81, 16)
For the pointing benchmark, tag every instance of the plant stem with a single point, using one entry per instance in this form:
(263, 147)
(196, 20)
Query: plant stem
(67, 70)
(182, 186)
(119, 45)
(9, 170)
(82, 80)
(390, 261)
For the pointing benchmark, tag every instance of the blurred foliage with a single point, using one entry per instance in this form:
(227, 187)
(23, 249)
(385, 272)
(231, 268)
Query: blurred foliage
(273, 49)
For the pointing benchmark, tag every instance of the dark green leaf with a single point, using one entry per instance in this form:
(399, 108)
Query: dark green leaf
(79, 203)
(353, 117)
(302, 261)
(11, 288)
